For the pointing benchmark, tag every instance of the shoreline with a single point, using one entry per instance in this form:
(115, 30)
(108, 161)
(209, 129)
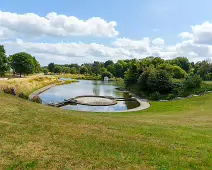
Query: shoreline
(41, 90)
(144, 104)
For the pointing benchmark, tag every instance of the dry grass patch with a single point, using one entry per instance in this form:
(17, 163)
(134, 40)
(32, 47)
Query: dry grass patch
(28, 84)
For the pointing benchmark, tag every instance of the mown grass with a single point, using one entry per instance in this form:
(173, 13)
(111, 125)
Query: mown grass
(168, 135)
(29, 84)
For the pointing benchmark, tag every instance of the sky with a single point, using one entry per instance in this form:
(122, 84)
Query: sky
(83, 31)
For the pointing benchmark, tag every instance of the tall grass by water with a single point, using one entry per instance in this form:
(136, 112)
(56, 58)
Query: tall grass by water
(29, 84)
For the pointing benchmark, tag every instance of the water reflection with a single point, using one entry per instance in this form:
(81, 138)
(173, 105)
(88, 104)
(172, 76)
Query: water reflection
(88, 87)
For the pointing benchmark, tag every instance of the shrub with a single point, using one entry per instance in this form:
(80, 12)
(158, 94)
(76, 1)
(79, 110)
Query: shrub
(155, 96)
(192, 81)
(7, 90)
(36, 99)
(142, 81)
(159, 80)
(170, 96)
(23, 96)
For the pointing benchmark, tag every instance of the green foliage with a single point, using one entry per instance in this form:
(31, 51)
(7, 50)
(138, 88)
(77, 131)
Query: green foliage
(192, 81)
(36, 65)
(22, 63)
(51, 67)
(106, 74)
(155, 96)
(178, 72)
(142, 81)
(182, 62)
(159, 80)
(131, 75)
(66, 70)
(83, 70)
(73, 70)
(45, 71)
(57, 69)
(3, 61)
(108, 63)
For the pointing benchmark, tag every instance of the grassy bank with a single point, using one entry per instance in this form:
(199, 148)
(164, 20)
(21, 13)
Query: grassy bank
(169, 135)
(28, 84)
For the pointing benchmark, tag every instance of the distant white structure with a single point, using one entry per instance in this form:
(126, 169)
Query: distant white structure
(106, 78)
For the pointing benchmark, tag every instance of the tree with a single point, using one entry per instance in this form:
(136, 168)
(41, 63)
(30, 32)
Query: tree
(181, 62)
(22, 63)
(73, 70)
(96, 67)
(51, 67)
(106, 74)
(45, 71)
(178, 72)
(142, 81)
(159, 80)
(57, 69)
(83, 70)
(192, 81)
(36, 65)
(3, 61)
(66, 70)
(107, 63)
(131, 75)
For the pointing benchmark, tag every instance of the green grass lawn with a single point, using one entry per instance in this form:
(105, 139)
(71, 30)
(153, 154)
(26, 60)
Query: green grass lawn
(169, 135)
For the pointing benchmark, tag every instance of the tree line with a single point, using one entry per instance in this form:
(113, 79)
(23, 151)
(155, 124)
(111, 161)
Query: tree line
(21, 63)
(130, 70)
(150, 76)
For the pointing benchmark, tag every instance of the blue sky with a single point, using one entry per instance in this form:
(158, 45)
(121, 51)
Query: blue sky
(136, 19)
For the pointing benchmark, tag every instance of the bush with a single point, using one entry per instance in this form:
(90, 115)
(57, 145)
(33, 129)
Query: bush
(170, 96)
(192, 81)
(159, 80)
(8, 90)
(36, 99)
(155, 96)
(23, 96)
(142, 81)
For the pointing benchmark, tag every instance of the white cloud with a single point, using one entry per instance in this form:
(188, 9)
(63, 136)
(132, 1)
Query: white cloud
(158, 41)
(196, 44)
(133, 45)
(186, 35)
(53, 25)
(200, 34)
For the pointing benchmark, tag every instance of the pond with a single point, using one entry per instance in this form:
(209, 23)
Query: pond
(89, 87)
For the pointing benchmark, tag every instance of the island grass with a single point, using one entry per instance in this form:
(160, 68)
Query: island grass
(168, 135)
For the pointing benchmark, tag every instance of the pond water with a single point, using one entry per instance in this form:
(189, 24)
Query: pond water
(88, 87)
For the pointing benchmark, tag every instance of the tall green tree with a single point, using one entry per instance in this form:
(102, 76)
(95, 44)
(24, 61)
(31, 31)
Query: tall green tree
(51, 67)
(3, 61)
(22, 63)
(58, 69)
(181, 62)
(36, 64)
